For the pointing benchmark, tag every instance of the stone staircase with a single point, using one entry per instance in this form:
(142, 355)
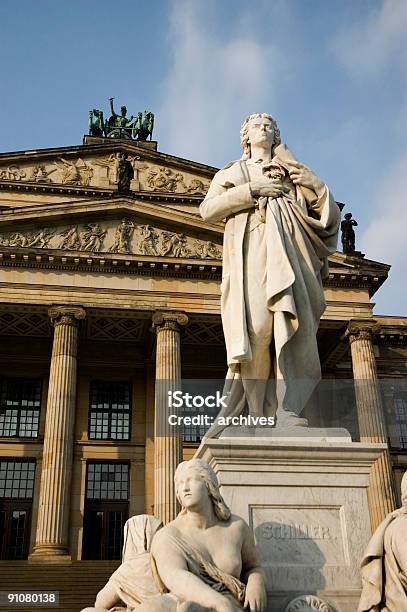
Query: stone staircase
(77, 582)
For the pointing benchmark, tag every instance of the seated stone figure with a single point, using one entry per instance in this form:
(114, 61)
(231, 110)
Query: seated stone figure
(384, 565)
(203, 560)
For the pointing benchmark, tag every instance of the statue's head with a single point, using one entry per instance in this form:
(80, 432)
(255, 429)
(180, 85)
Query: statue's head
(195, 478)
(348, 216)
(404, 489)
(123, 111)
(252, 126)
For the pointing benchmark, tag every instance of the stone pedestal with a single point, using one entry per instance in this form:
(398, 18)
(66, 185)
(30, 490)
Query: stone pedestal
(167, 438)
(372, 426)
(308, 508)
(52, 538)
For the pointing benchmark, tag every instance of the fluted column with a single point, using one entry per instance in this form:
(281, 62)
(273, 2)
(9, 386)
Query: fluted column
(52, 539)
(372, 424)
(167, 438)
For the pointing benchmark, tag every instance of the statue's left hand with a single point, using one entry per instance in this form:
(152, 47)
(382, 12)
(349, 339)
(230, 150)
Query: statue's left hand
(256, 596)
(302, 175)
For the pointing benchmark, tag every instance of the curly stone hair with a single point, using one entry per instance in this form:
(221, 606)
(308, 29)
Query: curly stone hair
(244, 135)
(222, 511)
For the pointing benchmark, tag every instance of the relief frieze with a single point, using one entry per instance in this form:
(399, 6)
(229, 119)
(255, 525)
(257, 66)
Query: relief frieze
(123, 237)
(167, 180)
(103, 172)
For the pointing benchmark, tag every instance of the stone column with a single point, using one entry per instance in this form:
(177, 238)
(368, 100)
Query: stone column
(52, 539)
(167, 438)
(372, 424)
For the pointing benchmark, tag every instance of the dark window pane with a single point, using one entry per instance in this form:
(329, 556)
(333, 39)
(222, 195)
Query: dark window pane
(20, 402)
(17, 482)
(109, 408)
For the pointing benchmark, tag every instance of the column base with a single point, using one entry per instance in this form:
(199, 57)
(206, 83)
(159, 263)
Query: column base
(49, 554)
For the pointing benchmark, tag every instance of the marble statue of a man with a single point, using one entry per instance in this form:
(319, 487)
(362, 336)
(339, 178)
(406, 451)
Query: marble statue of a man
(384, 564)
(281, 224)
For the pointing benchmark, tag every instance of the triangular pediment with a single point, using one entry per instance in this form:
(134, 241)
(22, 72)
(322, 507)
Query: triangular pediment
(121, 226)
(93, 166)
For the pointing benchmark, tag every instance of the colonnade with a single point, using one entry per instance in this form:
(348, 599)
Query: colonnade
(52, 536)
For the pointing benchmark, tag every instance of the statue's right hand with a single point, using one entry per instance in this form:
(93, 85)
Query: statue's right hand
(265, 187)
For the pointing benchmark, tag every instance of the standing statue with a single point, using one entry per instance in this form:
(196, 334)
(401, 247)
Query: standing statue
(124, 173)
(384, 564)
(96, 123)
(119, 126)
(204, 560)
(123, 236)
(146, 126)
(348, 234)
(281, 224)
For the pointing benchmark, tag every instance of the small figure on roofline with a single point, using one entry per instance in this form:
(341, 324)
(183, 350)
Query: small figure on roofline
(348, 234)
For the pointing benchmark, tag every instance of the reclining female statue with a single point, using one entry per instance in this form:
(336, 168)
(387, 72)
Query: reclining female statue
(203, 560)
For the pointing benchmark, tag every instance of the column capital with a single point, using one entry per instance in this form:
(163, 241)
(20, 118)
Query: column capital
(169, 320)
(362, 329)
(66, 315)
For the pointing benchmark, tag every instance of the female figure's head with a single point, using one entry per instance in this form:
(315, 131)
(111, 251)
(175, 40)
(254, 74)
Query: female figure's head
(196, 478)
(256, 122)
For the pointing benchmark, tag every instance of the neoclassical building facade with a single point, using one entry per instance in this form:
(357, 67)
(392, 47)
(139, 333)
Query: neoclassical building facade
(103, 294)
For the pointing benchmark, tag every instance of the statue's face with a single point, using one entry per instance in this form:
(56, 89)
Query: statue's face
(261, 132)
(191, 488)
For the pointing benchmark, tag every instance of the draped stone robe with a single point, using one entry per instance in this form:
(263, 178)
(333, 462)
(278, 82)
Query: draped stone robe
(301, 231)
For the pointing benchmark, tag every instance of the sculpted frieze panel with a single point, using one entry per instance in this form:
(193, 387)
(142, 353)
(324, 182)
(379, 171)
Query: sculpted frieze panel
(102, 171)
(123, 237)
(165, 179)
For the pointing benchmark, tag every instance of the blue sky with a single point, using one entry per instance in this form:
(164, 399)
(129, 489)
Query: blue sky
(333, 73)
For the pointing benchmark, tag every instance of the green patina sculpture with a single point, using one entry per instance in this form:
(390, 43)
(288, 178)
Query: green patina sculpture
(139, 127)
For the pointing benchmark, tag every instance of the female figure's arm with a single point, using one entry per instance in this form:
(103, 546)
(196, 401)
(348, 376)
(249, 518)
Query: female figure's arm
(252, 573)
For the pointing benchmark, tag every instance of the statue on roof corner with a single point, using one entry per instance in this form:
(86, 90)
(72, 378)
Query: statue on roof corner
(281, 224)
(139, 127)
(348, 234)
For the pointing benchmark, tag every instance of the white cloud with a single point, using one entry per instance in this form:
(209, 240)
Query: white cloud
(367, 47)
(385, 237)
(214, 82)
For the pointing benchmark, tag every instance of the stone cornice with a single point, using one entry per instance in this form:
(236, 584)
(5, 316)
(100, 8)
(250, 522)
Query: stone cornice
(58, 188)
(57, 259)
(111, 263)
(111, 146)
(142, 205)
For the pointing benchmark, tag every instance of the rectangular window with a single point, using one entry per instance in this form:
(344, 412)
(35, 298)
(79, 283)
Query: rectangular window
(110, 410)
(106, 509)
(17, 478)
(20, 404)
(107, 481)
(16, 492)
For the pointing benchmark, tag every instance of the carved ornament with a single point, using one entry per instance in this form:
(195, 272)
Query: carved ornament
(169, 321)
(308, 603)
(126, 237)
(362, 330)
(167, 180)
(66, 315)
